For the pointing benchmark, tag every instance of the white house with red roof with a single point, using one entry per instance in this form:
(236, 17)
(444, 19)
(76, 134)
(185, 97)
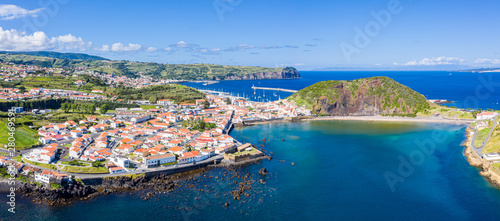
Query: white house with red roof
(486, 115)
(164, 102)
(115, 170)
(44, 176)
(3, 160)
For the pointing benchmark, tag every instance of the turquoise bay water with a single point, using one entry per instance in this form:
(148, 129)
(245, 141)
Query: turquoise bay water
(338, 174)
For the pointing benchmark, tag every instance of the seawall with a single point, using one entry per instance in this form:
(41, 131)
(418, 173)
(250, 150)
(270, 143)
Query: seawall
(151, 174)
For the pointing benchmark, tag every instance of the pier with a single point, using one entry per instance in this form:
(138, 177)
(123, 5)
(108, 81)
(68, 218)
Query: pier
(274, 89)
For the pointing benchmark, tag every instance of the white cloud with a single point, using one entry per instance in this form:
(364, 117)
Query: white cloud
(119, 47)
(70, 42)
(151, 49)
(182, 44)
(15, 40)
(240, 47)
(168, 49)
(103, 48)
(434, 61)
(130, 47)
(487, 61)
(9, 12)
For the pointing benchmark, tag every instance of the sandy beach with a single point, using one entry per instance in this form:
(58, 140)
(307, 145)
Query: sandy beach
(396, 119)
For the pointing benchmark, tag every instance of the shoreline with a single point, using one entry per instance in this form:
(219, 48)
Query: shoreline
(486, 170)
(393, 119)
(81, 190)
(173, 178)
(364, 118)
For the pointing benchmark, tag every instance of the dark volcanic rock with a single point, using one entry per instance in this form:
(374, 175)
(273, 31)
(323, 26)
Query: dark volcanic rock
(263, 171)
(287, 73)
(53, 196)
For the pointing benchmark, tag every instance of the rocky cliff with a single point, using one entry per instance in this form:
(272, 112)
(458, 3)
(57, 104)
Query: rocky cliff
(361, 97)
(286, 73)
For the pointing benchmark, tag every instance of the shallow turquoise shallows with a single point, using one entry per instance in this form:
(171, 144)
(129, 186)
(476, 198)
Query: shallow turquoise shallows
(343, 170)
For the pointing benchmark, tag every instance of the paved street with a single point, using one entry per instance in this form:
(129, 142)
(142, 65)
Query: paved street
(479, 150)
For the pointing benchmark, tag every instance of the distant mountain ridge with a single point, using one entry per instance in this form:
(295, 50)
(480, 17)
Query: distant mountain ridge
(156, 70)
(53, 54)
(361, 97)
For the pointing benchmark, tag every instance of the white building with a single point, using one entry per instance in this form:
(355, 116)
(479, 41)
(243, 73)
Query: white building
(140, 119)
(44, 177)
(114, 170)
(3, 160)
(486, 115)
(158, 160)
(164, 102)
(121, 161)
(492, 156)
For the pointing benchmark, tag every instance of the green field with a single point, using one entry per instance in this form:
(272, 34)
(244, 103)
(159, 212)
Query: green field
(493, 144)
(450, 112)
(147, 107)
(177, 93)
(481, 135)
(80, 163)
(44, 165)
(25, 136)
(253, 151)
(72, 169)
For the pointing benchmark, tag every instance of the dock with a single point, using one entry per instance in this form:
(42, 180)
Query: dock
(274, 89)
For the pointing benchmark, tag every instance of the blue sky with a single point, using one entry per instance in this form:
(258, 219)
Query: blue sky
(305, 34)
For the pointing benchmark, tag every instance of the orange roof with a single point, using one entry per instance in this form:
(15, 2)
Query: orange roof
(175, 149)
(124, 146)
(137, 142)
(159, 156)
(191, 154)
(126, 140)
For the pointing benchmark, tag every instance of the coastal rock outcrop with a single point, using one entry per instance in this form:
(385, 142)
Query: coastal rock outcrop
(75, 189)
(286, 73)
(263, 171)
(361, 97)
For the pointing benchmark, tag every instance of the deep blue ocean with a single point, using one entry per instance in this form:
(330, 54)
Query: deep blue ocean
(343, 170)
(466, 89)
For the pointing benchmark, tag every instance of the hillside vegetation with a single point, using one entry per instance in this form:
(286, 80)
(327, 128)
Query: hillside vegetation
(366, 96)
(177, 93)
(52, 54)
(156, 70)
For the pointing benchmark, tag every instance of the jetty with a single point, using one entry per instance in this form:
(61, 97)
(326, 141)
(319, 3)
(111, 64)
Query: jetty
(273, 89)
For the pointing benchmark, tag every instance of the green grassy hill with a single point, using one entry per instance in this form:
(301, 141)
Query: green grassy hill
(366, 96)
(156, 70)
(52, 54)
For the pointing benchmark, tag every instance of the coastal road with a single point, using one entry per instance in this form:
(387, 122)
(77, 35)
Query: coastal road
(479, 150)
(137, 171)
